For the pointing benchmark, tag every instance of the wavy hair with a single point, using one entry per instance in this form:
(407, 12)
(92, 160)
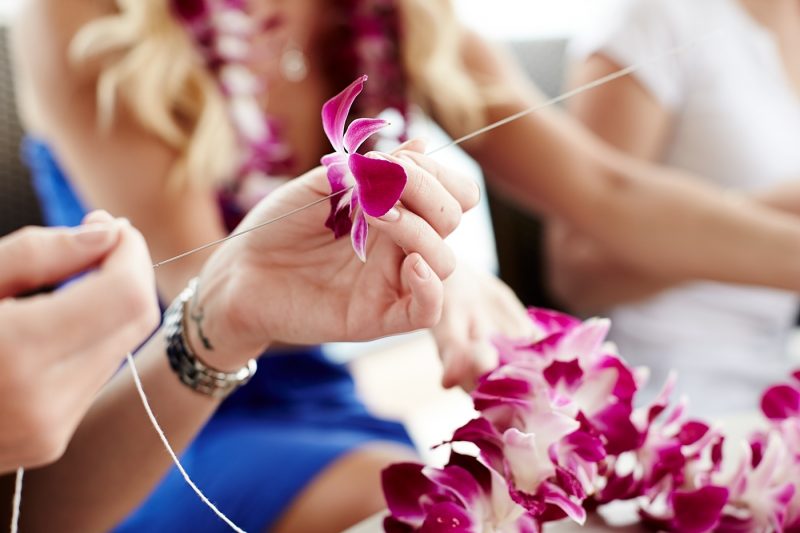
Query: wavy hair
(153, 66)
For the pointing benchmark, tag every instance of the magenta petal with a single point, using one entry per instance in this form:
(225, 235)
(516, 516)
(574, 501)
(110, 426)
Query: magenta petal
(569, 372)
(360, 130)
(699, 510)
(380, 183)
(190, 11)
(359, 236)
(552, 321)
(780, 402)
(447, 517)
(335, 111)
(335, 158)
(404, 486)
(337, 175)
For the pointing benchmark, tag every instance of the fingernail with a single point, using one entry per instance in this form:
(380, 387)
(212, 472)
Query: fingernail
(379, 155)
(98, 216)
(96, 235)
(392, 215)
(478, 192)
(422, 270)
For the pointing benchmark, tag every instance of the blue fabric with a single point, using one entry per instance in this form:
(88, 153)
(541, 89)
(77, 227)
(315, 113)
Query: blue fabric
(266, 442)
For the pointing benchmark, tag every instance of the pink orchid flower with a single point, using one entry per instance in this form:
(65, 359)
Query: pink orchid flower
(374, 184)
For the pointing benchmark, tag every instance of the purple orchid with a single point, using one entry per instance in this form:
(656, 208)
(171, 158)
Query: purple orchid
(373, 185)
(558, 433)
(465, 496)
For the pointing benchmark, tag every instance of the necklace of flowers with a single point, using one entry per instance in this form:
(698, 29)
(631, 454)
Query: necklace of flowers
(222, 30)
(558, 434)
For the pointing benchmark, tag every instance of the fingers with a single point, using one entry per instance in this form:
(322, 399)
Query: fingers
(117, 301)
(35, 257)
(422, 308)
(464, 350)
(428, 197)
(413, 234)
(462, 188)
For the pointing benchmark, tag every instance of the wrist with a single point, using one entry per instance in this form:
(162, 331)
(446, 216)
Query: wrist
(192, 371)
(215, 327)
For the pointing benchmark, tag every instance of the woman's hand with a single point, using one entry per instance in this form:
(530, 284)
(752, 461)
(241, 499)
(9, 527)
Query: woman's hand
(57, 350)
(477, 306)
(293, 283)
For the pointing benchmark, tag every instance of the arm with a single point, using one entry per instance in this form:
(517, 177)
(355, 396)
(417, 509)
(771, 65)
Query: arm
(658, 220)
(291, 283)
(122, 170)
(626, 115)
(584, 275)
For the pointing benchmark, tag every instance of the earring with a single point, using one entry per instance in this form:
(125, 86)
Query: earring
(293, 64)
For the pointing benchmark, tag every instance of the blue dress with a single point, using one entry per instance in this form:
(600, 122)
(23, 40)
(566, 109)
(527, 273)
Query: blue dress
(266, 442)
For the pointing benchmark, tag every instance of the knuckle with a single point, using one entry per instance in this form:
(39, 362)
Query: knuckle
(452, 217)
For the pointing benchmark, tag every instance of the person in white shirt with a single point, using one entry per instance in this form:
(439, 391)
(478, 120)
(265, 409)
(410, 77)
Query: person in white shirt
(727, 109)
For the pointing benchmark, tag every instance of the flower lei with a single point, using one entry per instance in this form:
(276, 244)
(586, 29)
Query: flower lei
(558, 434)
(363, 38)
(222, 30)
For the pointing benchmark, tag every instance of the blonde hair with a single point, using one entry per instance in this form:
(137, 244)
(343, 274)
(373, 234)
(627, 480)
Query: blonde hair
(151, 63)
(432, 54)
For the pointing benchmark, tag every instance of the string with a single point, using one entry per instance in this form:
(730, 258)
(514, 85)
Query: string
(16, 503)
(502, 122)
(172, 454)
(248, 230)
(675, 51)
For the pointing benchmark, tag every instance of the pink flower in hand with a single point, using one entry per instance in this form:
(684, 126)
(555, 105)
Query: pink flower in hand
(376, 183)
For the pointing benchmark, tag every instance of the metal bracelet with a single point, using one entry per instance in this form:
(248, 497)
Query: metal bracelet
(190, 370)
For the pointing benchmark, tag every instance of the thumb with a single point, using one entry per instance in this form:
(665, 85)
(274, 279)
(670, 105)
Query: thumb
(36, 257)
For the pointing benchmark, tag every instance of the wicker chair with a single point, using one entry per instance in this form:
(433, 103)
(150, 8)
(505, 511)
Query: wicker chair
(18, 205)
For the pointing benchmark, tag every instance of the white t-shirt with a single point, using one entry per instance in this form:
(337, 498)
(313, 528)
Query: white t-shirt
(736, 123)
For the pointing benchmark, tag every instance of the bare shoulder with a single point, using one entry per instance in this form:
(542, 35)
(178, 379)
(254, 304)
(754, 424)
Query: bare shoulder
(42, 34)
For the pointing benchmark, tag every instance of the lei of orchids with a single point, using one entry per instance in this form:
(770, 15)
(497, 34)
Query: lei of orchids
(558, 434)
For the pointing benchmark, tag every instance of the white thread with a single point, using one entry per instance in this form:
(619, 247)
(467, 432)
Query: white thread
(569, 94)
(16, 503)
(502, 122)
(172, 454)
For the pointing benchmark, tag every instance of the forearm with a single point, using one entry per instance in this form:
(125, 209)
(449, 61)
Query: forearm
(115, 458)
(587, 280)
(785, 197)
(661, 221)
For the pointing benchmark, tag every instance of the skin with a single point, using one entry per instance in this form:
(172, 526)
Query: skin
(630, 118)
(547, 162)
(46, 387)
(331, 295)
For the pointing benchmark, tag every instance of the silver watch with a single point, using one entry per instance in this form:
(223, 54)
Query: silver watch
(190, 370)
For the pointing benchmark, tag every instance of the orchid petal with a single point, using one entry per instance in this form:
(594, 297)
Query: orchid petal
(358, 235)
(447, 517)
(527, 460)
(360, 130)
(337, 173)
(190, 11)
(550, 322)
(335, 111)
(404, 486)
(380, 183)
(699, 510)
(780, 402)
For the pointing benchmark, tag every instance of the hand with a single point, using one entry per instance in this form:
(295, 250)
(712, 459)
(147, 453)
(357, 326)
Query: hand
(477, 306)
(293, 283)
(57, 350)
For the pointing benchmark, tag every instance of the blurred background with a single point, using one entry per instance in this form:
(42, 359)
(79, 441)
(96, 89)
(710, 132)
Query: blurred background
(531, 18)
